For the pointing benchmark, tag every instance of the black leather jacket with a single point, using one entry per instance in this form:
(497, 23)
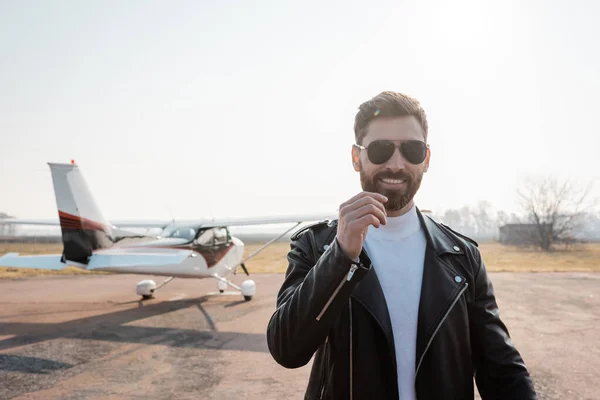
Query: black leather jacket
(334, 309)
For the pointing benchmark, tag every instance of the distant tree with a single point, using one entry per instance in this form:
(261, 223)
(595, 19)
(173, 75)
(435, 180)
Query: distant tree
(483, 220)
(554, 206)
(502, 218)
(467, 220)
(452, 218)
(474, 221)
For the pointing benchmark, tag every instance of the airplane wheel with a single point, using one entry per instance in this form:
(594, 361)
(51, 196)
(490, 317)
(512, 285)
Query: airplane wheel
(248, 289)
(221, 291)
(145, 289)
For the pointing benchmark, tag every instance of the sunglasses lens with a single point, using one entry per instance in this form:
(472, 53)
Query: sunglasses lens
(380, 151)
(414, 151)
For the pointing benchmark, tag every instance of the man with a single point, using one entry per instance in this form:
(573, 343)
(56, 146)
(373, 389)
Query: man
(392, 304)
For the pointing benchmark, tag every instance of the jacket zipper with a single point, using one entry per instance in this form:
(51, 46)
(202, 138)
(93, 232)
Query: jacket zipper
(324, 383)
(347, 278)
(350, 310)
(439, 326)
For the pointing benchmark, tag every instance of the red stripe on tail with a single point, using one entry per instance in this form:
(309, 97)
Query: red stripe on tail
(70, 221)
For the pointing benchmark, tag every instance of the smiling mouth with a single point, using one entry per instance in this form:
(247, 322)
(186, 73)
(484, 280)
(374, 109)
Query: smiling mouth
(392, 181)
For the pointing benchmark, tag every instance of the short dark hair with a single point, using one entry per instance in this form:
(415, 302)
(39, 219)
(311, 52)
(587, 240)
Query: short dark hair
(387, 104)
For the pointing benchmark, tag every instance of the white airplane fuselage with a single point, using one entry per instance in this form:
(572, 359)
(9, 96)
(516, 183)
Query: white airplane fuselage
(203, 262)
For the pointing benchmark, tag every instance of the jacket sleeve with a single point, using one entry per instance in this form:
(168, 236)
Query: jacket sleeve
(311, 297)
(500, 372)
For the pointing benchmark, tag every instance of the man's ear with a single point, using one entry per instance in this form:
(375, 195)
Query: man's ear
(427, 160)
(355, 158)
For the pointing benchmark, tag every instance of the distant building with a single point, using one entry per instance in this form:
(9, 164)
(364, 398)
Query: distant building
(519, 234)
(5, 229)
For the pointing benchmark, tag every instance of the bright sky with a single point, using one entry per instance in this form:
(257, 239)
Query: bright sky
(191, 109)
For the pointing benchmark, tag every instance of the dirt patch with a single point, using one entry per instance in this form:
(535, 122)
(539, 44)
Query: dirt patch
(62, 340)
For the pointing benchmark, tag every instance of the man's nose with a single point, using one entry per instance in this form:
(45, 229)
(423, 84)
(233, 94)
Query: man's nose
(397, 161)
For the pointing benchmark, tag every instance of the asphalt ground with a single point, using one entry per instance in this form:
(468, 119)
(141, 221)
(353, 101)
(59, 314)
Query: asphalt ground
(89, 337)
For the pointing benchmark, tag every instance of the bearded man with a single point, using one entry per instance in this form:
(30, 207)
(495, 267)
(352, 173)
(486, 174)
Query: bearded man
(391, 303)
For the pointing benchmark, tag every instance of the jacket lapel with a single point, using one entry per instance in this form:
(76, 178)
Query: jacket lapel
(369, 293)
(440, 284)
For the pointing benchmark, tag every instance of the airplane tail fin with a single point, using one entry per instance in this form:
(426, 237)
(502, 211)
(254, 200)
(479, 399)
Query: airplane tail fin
(84, 228)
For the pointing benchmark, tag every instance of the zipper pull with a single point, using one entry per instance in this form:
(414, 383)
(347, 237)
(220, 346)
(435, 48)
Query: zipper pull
(353, 268)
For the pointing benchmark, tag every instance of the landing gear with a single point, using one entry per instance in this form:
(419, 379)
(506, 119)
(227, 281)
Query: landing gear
(221, 286)
(248, 288)
(147, 287)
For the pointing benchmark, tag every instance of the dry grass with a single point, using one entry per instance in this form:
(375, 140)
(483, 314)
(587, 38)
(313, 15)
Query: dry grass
(497, 257)
(271, 260)
(10, 272)
(579, 258)
(31, 248)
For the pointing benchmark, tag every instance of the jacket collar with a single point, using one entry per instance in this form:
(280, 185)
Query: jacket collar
(438, 286)
(437, 239)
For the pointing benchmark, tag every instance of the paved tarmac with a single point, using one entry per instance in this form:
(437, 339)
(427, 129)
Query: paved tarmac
(89, 337)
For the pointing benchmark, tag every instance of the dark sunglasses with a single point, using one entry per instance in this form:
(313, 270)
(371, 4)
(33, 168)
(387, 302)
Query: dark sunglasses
(379, 151)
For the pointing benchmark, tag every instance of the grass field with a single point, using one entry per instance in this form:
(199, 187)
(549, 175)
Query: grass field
(497, 257)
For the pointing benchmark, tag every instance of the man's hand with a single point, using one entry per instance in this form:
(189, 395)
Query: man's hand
(355, 216)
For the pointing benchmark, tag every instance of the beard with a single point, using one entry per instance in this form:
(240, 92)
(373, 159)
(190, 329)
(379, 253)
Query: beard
(397, 199)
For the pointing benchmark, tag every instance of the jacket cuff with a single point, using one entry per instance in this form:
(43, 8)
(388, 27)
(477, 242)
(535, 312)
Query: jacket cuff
(362, 261)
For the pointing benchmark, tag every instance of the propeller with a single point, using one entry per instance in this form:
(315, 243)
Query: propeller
(244, 268)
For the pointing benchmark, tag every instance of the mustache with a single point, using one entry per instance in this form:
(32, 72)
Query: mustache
(402, 174)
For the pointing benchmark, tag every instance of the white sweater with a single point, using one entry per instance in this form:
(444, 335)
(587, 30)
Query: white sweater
(397, 253)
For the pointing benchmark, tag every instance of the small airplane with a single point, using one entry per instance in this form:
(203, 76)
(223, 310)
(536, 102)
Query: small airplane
(190, 249)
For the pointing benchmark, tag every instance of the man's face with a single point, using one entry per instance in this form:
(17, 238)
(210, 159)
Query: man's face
(397, 179)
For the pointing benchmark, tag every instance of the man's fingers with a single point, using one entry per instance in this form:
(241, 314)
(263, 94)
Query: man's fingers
(367, 200)
(365, 221)
(362, 202)
(376, 196)
(355, 216)
(367, 209)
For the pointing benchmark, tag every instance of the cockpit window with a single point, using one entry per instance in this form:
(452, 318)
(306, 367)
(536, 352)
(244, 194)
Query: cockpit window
(220, 236)
(181, 232)
(213, 237)
(206, 238)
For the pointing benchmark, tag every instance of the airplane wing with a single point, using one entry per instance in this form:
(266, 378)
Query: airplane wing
(267, 220)
(154, 223)
(206, 222)
(116, 224)
(227, 221)
(24, 221)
